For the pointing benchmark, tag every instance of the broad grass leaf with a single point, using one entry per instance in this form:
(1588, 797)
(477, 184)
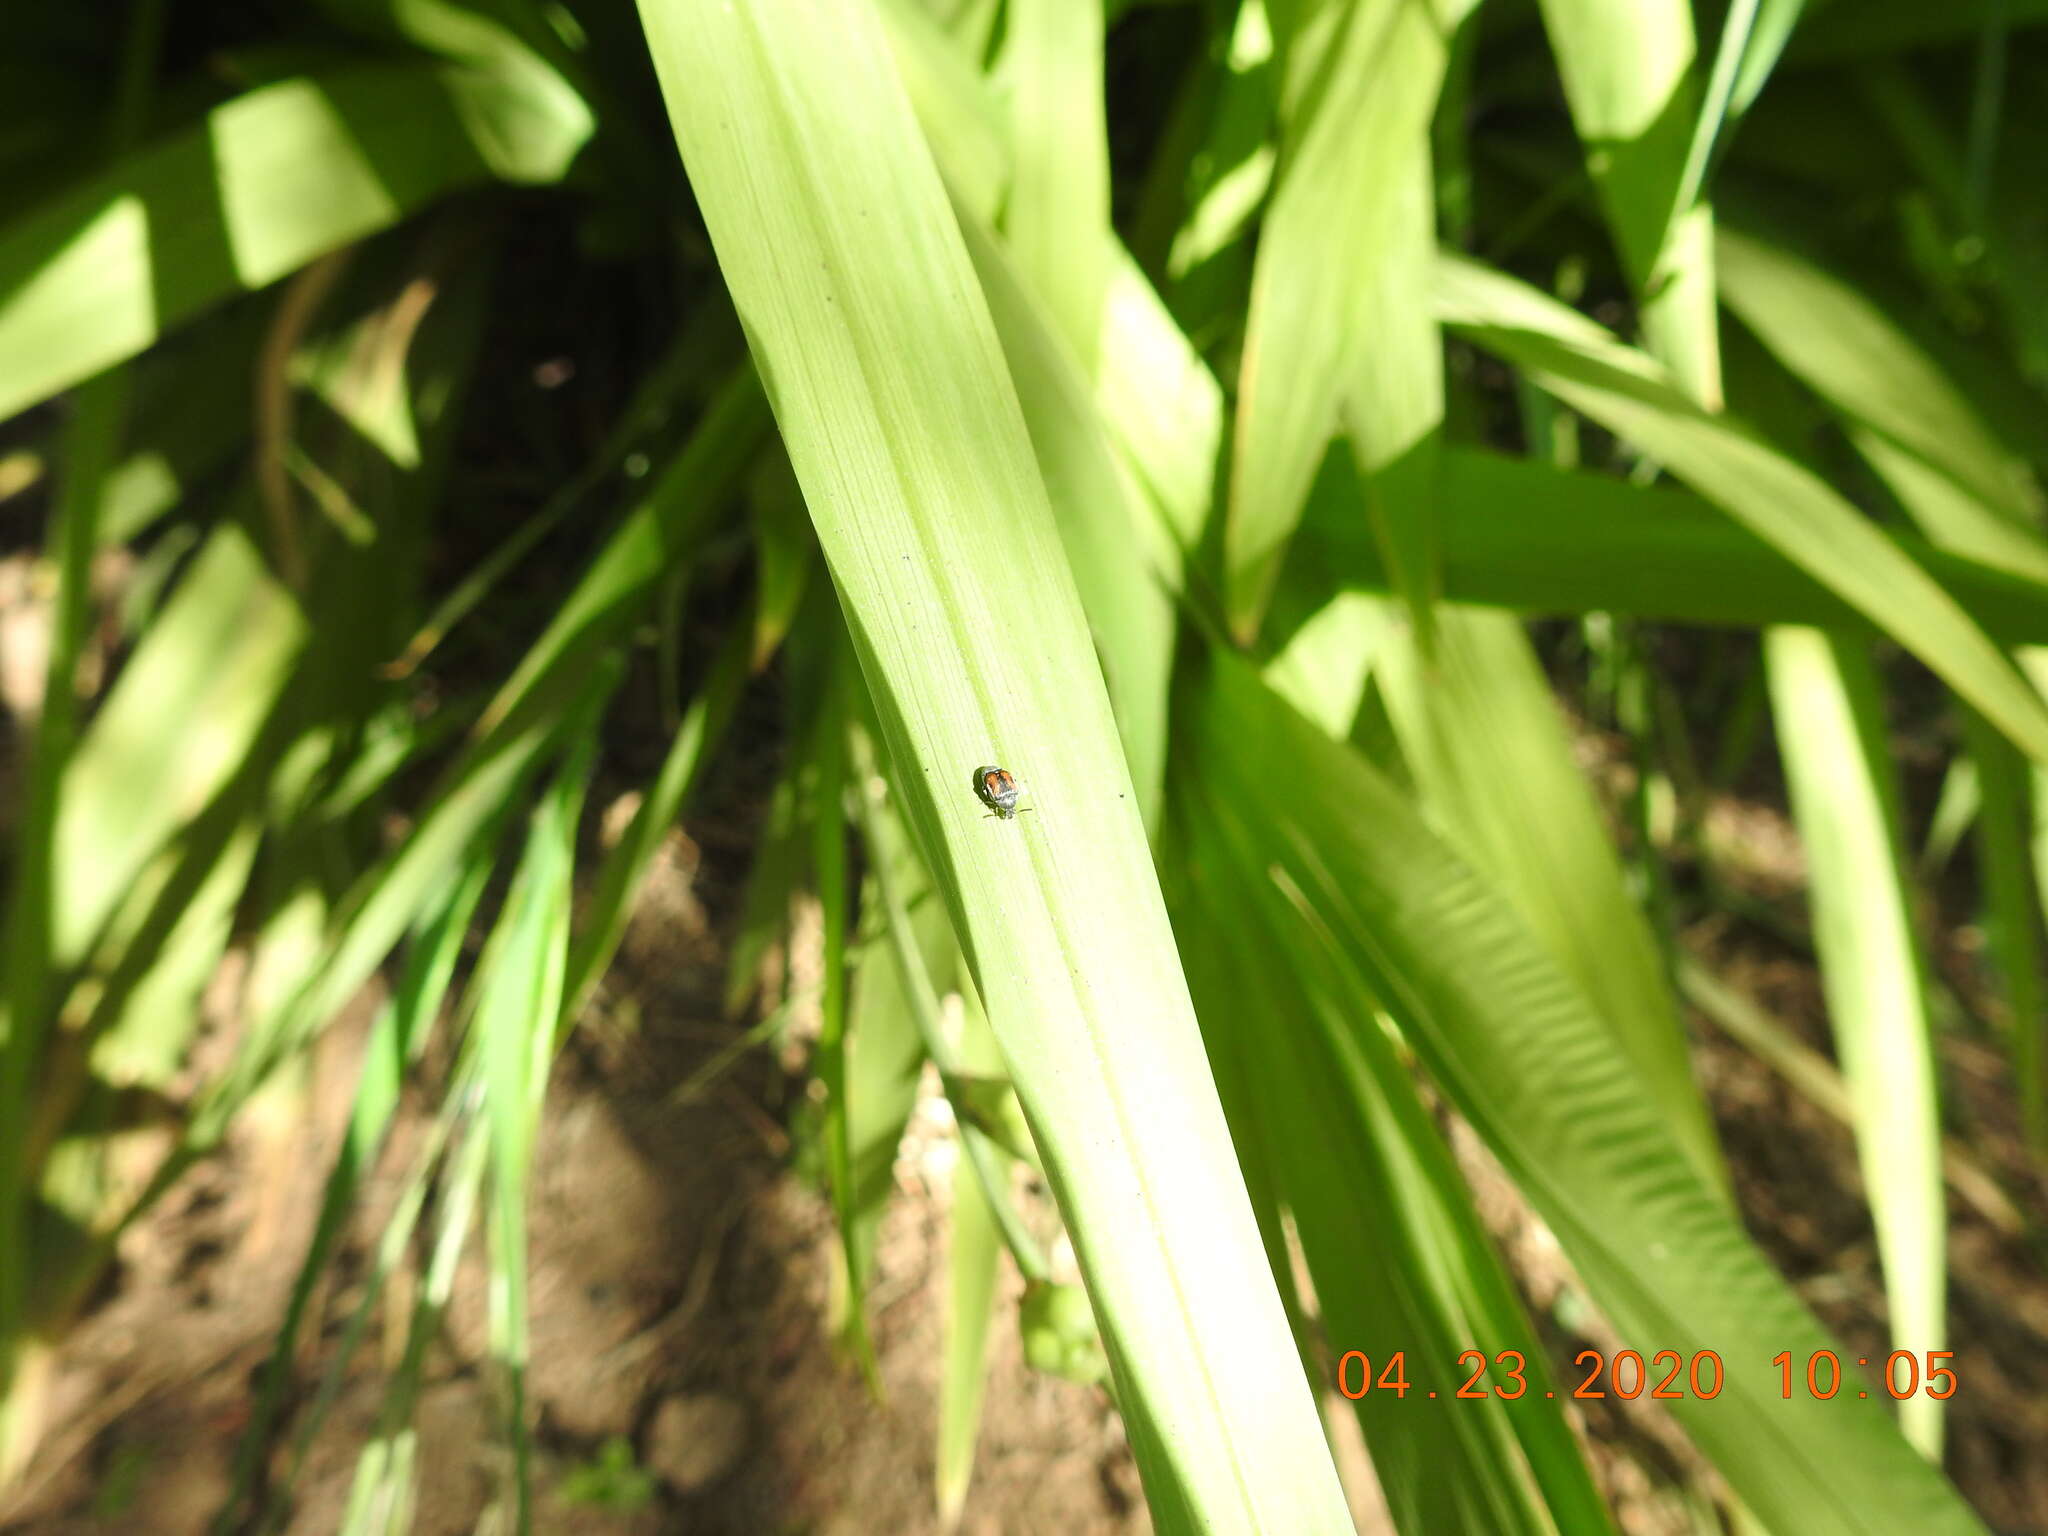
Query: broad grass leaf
(894, 399)
(1845, 348)
(1514, 533)
(1523, 1055)
(220, 653)
(264, 184)
(1355, 159)
(1404, 1273)
(1627, 68)
(1126, 571)
(1583, 365)
(1476, 713)
(1056, 222)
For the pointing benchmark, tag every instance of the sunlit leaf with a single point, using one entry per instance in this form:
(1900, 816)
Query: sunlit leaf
(895, 403)
(266, 183)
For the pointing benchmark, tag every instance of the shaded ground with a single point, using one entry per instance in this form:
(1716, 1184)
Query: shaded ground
(681, 1287)
(679, 1295)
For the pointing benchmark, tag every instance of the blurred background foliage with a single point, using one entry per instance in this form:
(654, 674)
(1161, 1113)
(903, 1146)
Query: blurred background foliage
(386, 452)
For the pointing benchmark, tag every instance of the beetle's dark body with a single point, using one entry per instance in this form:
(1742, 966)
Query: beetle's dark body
(997, 789)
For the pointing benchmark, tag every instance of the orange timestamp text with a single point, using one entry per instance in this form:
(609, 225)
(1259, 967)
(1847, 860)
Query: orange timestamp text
(1667, 1374)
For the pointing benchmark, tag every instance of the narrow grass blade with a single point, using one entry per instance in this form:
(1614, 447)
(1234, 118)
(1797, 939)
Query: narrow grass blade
(1753, 37)
(785, 556)
(764, 908)
(983, 1222)
(457, 1201)
(517, 1006)
(1969, 492)
(604, 920)
(1955, 812)
(1584, 366)
(660, 532)
(2035, 664)
(973, 1251)
(1830, 719)
(1819, 1081)
(30, 928)
(2013, 913)
(382, 1496)
(401, 1030)
(1853, 355)
(1524, 1056)
(1405, 1278)
(827, 756)
(885, 1053)
(894, 399)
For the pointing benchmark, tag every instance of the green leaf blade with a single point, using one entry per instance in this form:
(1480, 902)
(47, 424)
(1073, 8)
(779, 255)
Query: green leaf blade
(1526, 1059)
(893, 398)
(267, 182)
(1781, 501)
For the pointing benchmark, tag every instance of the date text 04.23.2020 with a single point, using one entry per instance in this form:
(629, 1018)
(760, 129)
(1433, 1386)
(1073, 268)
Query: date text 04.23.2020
(1668, 1374)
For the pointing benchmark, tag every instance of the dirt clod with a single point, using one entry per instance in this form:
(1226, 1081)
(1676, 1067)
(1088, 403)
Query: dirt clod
(696, 1438)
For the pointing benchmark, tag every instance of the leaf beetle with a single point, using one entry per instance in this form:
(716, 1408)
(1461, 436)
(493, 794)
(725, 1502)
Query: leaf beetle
(998, 789)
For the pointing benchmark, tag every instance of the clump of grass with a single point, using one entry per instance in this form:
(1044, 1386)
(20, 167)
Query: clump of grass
(1193, 449)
